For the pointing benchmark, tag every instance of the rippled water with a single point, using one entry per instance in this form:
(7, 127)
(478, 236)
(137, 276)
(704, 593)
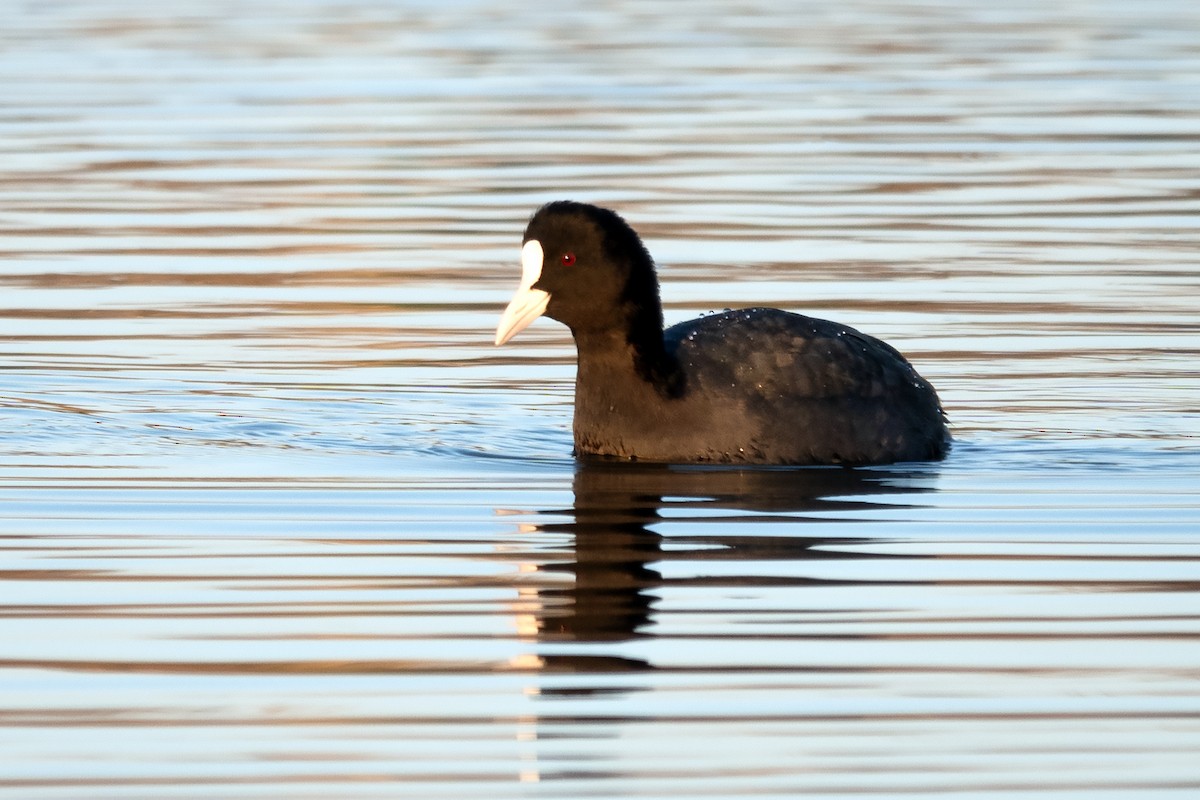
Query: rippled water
(279, 521)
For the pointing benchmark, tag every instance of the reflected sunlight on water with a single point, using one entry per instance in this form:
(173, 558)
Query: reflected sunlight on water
(278, 520)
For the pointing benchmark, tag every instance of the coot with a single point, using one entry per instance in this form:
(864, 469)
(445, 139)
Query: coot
(757, 385)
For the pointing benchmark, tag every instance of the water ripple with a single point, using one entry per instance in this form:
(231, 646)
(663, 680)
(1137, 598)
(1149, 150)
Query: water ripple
(277, 520)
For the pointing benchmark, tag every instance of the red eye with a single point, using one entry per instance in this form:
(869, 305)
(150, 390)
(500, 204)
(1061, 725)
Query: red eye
(568, 259)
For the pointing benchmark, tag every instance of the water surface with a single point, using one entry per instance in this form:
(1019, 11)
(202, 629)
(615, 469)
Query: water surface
(279, 521)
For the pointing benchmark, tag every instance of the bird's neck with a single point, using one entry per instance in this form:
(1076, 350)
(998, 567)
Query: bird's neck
(610, 357)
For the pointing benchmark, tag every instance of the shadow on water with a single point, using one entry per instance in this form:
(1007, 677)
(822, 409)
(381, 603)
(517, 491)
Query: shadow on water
(620, 509)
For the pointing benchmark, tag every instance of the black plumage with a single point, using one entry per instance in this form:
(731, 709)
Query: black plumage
(755, 385)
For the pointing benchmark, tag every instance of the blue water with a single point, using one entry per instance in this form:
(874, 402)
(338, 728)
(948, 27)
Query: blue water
(278, 520)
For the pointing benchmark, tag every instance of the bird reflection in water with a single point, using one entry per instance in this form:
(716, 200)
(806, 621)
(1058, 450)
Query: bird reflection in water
(619, 506)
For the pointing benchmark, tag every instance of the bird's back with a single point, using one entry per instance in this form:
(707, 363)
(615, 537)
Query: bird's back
(779, 387)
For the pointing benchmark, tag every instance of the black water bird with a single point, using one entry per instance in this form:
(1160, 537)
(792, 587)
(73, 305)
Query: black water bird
(755, 385)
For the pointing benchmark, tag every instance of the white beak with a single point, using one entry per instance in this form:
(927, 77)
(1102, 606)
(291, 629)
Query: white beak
(528, 303)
